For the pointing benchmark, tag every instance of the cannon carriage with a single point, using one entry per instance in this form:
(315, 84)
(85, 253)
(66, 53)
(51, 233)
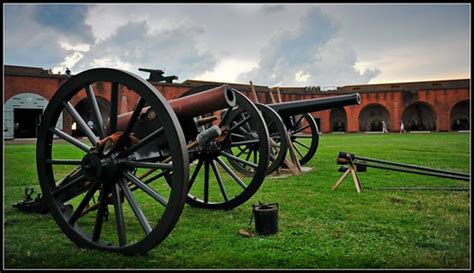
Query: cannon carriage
(287, 123)
(297, 118)
(139, 162)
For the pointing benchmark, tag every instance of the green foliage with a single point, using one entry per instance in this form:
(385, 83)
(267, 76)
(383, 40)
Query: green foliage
(319, 228)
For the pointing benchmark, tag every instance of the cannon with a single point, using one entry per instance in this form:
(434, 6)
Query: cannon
(297, 118)
(155, 159)
(286, 123)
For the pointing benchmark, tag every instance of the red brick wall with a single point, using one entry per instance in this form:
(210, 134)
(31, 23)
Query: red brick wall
(44, 87)
(441, 100)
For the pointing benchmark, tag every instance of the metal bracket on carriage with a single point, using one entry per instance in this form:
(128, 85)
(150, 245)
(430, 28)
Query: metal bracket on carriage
(29, 205)
(205, 120)
(214, 133)
(111, 143)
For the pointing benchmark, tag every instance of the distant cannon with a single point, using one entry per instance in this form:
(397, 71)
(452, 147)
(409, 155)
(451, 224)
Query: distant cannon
(156, 75)
(297, 118)
(286, 124)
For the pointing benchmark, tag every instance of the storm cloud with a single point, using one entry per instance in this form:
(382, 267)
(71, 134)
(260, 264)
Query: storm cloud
(270, 44)
(309, 54)
(30, 42)
(133, 46)
(66, 19)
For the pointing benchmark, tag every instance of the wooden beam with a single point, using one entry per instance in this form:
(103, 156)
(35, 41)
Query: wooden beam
(278, 94)
(253, 92)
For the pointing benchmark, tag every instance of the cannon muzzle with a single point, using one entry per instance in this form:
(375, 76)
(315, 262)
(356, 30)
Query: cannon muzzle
(313, 105)
(214, 99)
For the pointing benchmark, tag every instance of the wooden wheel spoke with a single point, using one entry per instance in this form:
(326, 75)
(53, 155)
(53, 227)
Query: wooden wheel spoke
(135, 207)
(238, 159)
(70, 139)
(69, 182)
(240, 123)
(231, 173)
(249, 154)
(113, 108)
(91, 99)
(237, 135)
(150, 165)
(142, 142)
(300, 129)
(298, 122)
(135, 115)
(298, 151)
(119, 219)
(242, 151)
(150, 191)
(84, 202)
(195, 173)
(302, 136)
(219, 181)
(103, 201)
(82, 124)
(64, 161)
(302, 144)
(245, 142)
(153, 178)
(206, 182)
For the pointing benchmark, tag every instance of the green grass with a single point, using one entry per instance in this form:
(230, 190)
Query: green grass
(319, 228)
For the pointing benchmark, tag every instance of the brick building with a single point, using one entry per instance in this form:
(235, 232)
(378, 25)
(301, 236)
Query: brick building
(422, 106)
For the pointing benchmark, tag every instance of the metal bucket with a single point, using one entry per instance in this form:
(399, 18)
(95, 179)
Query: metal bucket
(266, 218)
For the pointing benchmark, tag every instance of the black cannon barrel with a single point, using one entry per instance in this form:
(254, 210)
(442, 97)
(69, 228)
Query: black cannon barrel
(307, 106)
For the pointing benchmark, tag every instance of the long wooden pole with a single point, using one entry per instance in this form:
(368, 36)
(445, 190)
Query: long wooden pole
(253, 92)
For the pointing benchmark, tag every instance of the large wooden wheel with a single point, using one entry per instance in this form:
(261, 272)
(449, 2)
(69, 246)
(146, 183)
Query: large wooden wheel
(82, 180)
(214, 182)
(278, 141)
(305, 145)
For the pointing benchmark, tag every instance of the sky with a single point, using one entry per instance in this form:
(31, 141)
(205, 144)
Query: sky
(269, 44)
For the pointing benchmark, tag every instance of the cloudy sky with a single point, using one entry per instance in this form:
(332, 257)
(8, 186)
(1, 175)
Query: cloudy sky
(284, 44)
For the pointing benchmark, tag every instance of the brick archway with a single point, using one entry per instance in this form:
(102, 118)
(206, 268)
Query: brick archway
(371, 117)
(459, 116)
(419, 116)
(338, 120)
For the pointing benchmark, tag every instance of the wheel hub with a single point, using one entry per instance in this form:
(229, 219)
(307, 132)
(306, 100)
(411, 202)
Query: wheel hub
(92, 166)
(96, 167)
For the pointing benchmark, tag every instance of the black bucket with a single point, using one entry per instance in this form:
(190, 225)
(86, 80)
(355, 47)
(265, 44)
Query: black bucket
(266, 218)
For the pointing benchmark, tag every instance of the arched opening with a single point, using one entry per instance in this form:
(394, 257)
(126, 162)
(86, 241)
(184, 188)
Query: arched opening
(338, 120)
(460, 116)
(372, 116)
(22, 116)
(419, 116)
(85, 111)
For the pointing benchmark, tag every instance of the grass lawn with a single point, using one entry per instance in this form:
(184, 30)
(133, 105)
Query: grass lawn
(319, 228)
